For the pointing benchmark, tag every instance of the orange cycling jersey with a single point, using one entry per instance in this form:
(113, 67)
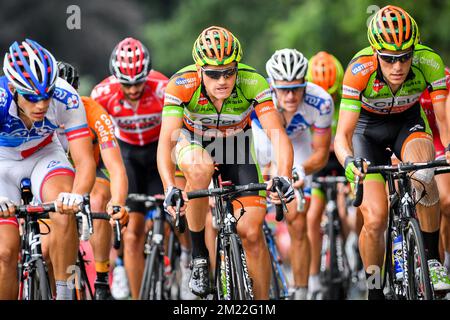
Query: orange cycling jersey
(100, 126)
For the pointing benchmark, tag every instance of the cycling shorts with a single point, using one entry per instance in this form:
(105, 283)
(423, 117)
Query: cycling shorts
(42, 165)
(234, 157)
(142, 171)
(376, 137)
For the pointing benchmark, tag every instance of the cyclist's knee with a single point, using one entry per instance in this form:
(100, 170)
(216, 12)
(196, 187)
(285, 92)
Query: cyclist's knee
(99, 199)
(133, 239)
(64, 222)
(199, 175)
(252, 237)
(375, 226)
(8, 257)
(297, 228)
(445, 206)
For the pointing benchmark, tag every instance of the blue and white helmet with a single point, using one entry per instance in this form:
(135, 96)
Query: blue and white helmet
(30, 68)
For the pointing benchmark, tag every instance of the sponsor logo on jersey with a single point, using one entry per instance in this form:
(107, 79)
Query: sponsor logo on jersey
(3, 97)
(362, 67)
(439, 83)
(417, 127)
(202, 101)
(349, 91)
(428, 61)
(298, 123)
(187, 82)
(264, 95)
(247, 81)
(377, 85)
(139, 122)
(53, 163)
(73, 102)
(171, 100)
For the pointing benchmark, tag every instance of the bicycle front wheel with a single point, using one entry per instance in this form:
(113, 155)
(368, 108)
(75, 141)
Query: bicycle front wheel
(152, 284)
(241, 286)
(39, 283)
(418, 274)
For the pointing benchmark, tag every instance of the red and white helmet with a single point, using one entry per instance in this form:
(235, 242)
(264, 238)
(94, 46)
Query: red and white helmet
(130, 61)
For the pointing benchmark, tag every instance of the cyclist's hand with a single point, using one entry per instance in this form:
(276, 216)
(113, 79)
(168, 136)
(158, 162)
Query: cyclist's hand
(172, 194)
(122, 215)
(69, 203)
(7, 208)
(351, 171)
(286, 188)
(298, 175)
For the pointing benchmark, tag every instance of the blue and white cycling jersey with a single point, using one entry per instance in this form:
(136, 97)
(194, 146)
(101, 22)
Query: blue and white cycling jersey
(65, 109)
(314, 113)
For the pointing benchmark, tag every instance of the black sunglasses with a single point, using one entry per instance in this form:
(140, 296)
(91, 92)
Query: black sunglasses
(217, 73)
(393, 58)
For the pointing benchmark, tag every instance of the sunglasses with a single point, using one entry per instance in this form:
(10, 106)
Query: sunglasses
(129, 85)
(36, 97)
(217, 73)
(393, 58)
(290, 87)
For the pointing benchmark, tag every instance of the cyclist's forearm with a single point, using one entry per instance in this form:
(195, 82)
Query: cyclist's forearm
(316, 161)
(166, 165)
(84, 176)
(119, 185)
(343, 147)
(284, 153)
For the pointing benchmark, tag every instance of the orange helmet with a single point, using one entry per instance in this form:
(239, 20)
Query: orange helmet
(326, 71)
(216, 46)
(392, 28)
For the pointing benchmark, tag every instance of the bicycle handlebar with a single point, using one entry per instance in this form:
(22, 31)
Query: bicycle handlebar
(398, 168)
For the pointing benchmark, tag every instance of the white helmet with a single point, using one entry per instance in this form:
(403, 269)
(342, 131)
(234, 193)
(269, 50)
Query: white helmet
(287, 65)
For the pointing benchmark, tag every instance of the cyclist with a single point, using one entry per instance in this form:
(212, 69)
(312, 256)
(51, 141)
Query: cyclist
(380, 109)
(306, 111)
(443, 180)
(111, 183)
(327, 72)
(34, 102)
(207, 106)
(133, 96)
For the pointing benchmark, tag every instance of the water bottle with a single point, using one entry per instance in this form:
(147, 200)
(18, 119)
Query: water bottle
(397, 254)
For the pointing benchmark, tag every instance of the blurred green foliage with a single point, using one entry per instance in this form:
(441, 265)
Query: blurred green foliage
(262, 26)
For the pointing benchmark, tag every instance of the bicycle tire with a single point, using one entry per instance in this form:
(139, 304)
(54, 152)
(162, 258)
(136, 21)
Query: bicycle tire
(274, 289)
(40, 285)
(414, 240)
(241, 287)
(85, 291)
(148, 285)
(222, 271)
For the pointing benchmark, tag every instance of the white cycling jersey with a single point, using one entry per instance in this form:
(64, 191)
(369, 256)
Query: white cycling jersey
(314, 113)
(65, 110)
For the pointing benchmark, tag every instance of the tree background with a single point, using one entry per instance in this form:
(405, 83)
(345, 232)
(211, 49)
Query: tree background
(170, 27)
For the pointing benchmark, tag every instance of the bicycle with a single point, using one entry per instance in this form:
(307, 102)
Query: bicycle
(231, 278)
(415, 284)
(334, 267)
(279, 289)
(83, 289)
(156, 285)
(34, 282)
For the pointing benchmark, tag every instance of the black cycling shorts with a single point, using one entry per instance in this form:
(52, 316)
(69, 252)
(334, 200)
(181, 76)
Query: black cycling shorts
(142, 171)
(376, 137)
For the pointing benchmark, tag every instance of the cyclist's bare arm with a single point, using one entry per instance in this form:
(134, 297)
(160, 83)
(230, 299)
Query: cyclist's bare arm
(321, 151)
(117, 173)
(284, 152)
(442, 120)
(83, 158)
(170, 131)
(343, 146)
